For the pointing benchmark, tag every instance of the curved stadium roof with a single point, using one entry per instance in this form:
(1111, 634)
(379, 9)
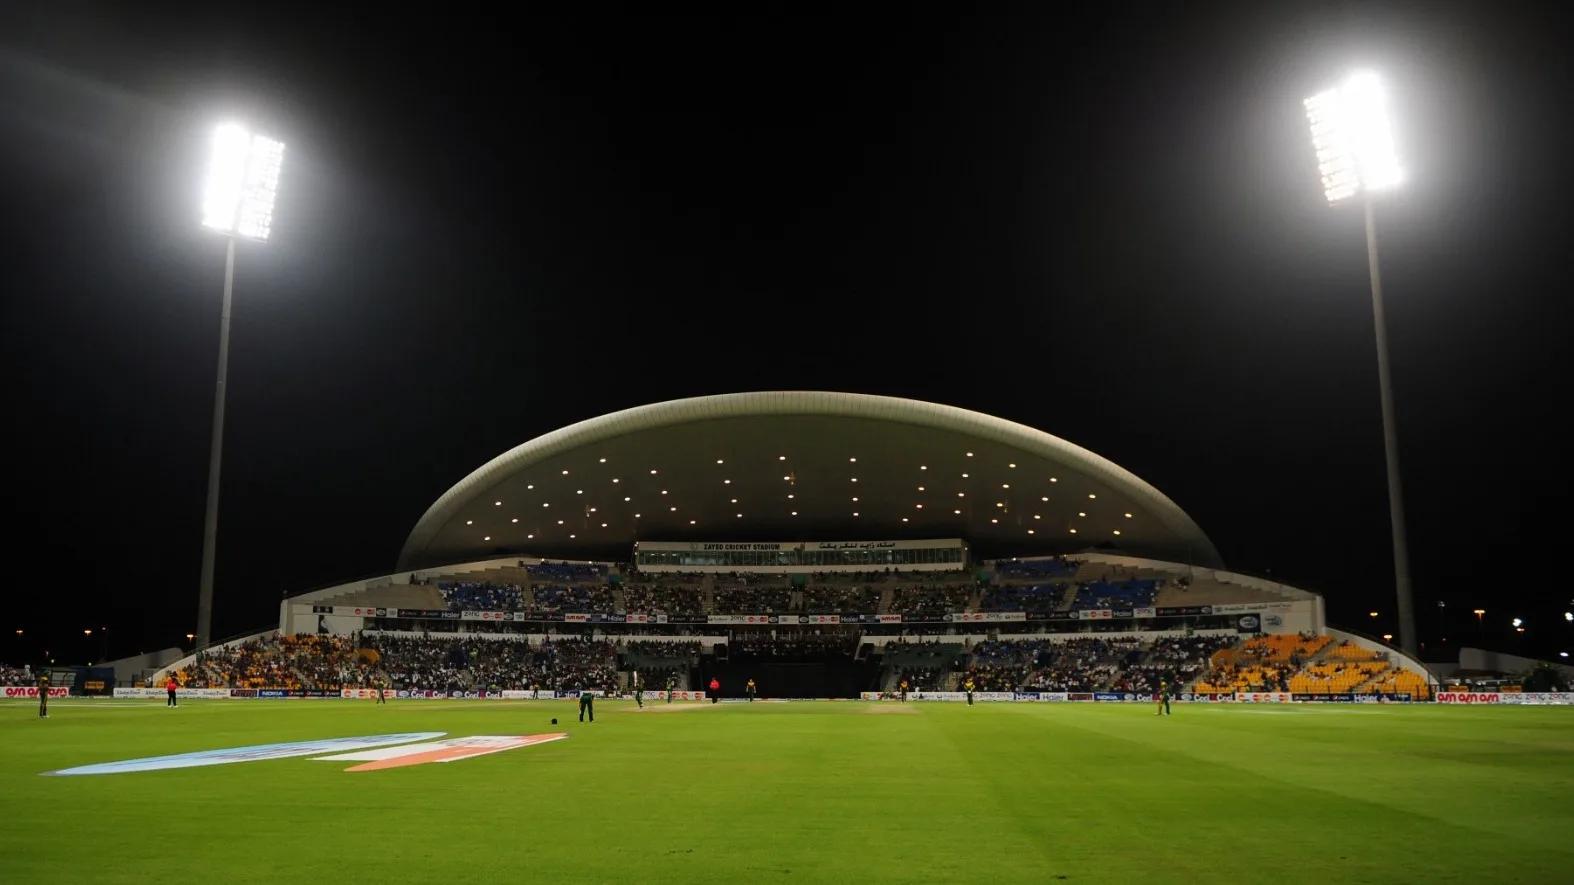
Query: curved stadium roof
(799, 465)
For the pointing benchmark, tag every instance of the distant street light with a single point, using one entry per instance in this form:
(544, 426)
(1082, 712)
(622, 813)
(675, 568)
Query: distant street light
(237, 201)
(1354, 141)
(1388, 637)
(87, 632)
(1479, 612)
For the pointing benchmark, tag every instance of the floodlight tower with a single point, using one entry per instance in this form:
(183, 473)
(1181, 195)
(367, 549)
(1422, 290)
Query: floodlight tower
(242, 182)
(1354, 141)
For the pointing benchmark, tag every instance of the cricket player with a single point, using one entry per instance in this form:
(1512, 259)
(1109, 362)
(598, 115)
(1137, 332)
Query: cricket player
(968, 687)
(587, 704)
(170, 687)
(382, 690)
(639, 690)
(43, 694)
(748, 689)
(1164, 698)
(672, 685)
(902, 687)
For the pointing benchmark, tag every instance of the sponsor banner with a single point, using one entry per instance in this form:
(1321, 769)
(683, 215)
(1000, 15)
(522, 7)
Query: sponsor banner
(1264, 697)
(1054, 696)
(423, 613)
(243, 692)
(1097, 614)
(1469, 697)
(1248, 624)
(1108, 696)
(249, 754)
(1079, 696)
(937, 695)
(676, 695)
(362, 693)
(484, 616)
(889, 619)
(822, 619)
(575, 692)
(1323, 697)
(1537, 697)
(451, 750)
(1242, 608)
(151, 692)
(637, 618)
(1179, 610)
(749, 619)
(994, 696)
(1123, 612)
(361, 611)
(988, 616)
(575, 617)
(1025, 696)
(31, 691)
(1147, 612)
(1201, 698)
(1052, 616)
(512, 694)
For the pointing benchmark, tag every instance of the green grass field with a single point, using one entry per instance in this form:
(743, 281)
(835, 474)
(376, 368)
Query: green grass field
(812, 792)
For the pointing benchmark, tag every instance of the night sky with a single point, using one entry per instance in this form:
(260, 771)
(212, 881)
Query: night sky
(1109, 229)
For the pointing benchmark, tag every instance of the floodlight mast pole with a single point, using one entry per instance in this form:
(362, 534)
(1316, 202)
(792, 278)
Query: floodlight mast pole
(1404, 595)
(210, 521)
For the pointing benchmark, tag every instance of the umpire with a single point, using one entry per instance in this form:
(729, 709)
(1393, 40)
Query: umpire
(587, 704)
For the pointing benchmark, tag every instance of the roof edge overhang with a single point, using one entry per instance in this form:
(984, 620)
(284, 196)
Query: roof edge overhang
(799, 402)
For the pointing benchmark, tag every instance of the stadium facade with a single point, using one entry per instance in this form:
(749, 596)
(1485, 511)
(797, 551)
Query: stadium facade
(844, 528)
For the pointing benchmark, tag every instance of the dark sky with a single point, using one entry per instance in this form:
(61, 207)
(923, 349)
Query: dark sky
(1109, 229)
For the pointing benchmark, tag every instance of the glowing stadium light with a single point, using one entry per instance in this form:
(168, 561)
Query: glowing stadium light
(1353, 138)
(1372, 614)
(1354, 141)
(242, 182)
(1518, 623)
(238, 195)
(1568, 616)
(1388, 637)
(1563, 654)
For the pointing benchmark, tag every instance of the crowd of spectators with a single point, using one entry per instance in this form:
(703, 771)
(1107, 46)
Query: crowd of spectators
(1174, 659)
(663, 599)
(592, 598)
(303, 661)
(764, 600)
(480, 596)
(452, 662)
(832, 599)
(16, 676)
(1104, 594)
(1091, 664)
(1023, 598)
(930, 601)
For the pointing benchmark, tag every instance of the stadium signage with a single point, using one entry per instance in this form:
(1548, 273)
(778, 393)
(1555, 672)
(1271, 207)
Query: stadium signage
(31, 691)
(254, 753)
(1264, 697)
(1469, 697)
(1538, 697)
(153, 692)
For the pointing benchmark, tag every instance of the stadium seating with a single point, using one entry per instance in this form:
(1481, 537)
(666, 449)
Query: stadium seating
(477, 596)
(743, 599)
(1052, 567)
(1102, 594)
(1023, 598)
